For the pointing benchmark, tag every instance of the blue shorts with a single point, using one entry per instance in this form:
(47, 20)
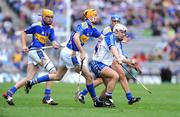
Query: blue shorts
(96, 67)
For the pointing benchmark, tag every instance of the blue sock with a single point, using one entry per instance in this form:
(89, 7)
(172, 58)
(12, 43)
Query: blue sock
(47, 93)
(129, 95)
(11, 91)
(84, 92)
(40, 79)
(90, 88)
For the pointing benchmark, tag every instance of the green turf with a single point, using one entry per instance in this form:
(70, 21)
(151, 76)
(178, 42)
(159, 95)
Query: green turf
(164, 102)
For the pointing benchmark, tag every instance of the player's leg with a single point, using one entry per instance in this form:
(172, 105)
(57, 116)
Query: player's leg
(89, 85)
(65, 62)
(110, 77)
(41, 58)
(48, 77)
(124, 83)
(102, 95)
(83, 93)
(49, 67)
(31, 71)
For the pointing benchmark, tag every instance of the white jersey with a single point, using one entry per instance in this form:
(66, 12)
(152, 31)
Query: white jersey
(107, 30)
(104, 54)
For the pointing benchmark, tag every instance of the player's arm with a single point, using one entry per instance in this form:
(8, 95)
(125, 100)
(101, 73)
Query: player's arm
(128, 61)
(78, 44)
(53, 39)
(23, 41)
(132, 63)
(110, 41)
(78, 31)
(101, 37)
(115, 53)
(98, 35)
(30, 30)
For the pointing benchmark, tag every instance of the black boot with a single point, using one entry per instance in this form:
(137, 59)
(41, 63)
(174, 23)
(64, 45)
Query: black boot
(134, 100)
(27, 87)
(108, 102)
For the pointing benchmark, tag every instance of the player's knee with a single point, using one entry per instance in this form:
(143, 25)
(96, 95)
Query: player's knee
(54, 76)
(116, 76)
(89, 78)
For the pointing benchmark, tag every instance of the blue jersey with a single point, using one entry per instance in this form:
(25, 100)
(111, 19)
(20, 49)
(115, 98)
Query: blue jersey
(40, 34)
(86, 30)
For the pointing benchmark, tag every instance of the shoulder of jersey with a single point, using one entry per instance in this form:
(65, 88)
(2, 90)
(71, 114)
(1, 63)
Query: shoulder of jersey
(37, 24)
(84, 25)
(106, 30)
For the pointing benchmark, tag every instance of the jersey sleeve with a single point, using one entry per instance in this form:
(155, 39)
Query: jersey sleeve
(107, 31)
(31, 29)
(52, 35)
(110, 41)
(96, 33)
(79, 29)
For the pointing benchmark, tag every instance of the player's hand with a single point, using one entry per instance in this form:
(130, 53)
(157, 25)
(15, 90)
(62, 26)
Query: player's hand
(133, 62)
(135, 66)
(138, 69)
(119, 61)
(55, 45)
(82, 55)
(25, 49)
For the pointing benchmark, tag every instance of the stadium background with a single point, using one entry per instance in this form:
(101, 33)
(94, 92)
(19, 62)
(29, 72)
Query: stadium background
(155, 42)
(153, 25)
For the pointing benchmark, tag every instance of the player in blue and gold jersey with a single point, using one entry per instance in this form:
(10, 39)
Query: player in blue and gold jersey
(41, 32)
(69, 55)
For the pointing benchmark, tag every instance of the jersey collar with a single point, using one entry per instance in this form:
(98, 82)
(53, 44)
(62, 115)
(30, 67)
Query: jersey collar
(89, 23)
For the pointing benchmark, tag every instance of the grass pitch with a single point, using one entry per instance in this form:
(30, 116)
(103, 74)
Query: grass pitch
(164, 102)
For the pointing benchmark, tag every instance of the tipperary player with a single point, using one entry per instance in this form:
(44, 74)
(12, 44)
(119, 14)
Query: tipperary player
(41, 32)
(69, 54)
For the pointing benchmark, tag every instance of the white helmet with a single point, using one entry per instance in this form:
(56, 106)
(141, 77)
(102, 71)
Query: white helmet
(119, 27)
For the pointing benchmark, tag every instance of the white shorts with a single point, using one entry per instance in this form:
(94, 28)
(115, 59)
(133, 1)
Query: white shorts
(68, 58)
(35, 56)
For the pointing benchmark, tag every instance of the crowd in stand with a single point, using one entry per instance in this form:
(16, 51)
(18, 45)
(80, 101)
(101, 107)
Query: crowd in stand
(155, 17)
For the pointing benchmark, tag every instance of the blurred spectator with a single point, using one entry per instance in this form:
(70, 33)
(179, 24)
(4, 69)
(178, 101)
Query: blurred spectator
(17, 58)
(175, 47)
(1, 15)
(166, 74)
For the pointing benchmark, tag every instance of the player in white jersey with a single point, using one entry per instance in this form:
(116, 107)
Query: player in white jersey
(104, 56)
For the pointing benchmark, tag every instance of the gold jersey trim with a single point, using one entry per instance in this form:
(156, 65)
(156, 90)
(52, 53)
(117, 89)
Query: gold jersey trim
(41, 38)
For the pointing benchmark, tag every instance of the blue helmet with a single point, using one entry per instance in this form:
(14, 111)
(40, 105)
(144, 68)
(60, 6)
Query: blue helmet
(115, 17)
